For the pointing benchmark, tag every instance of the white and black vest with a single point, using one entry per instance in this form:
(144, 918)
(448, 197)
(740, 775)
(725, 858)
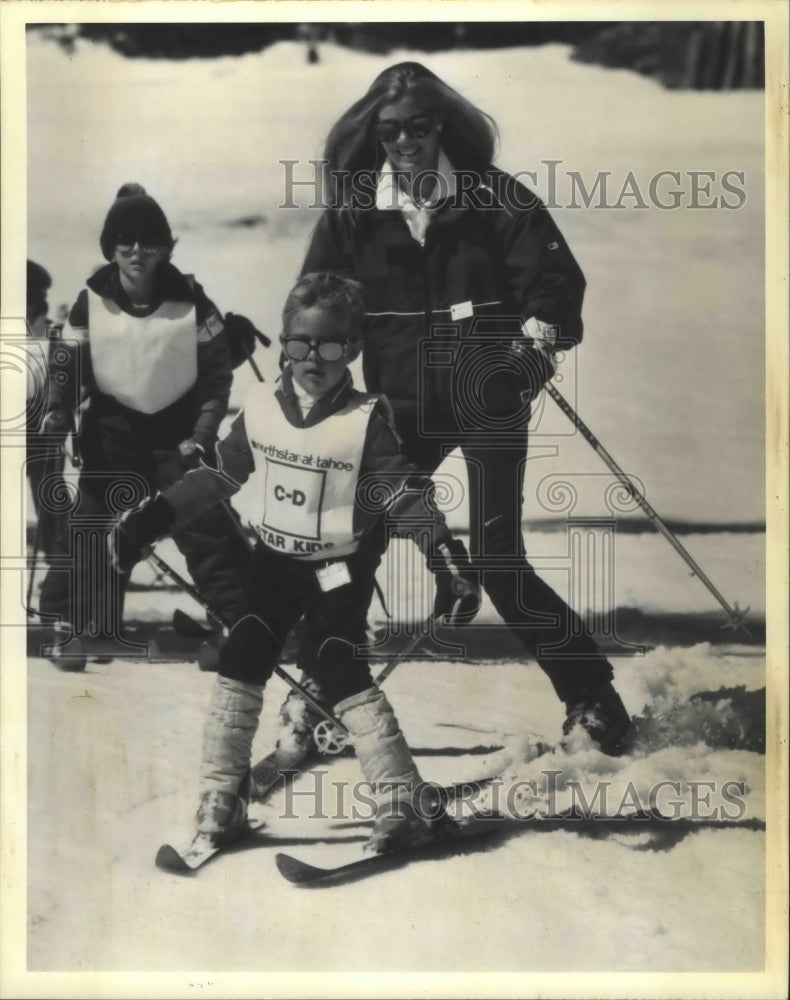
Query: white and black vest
(145, 362)
(303, 489)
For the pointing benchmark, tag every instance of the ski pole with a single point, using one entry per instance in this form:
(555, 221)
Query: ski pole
(186, 626)
(266, 342)
(216, 617)
(736, 614)
(323, 736)
(75, 457)
(236, 524)
(407, 649)
(262, 339)
(382, 599)
(255, 368)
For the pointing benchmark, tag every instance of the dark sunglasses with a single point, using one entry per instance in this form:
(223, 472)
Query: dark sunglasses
(416, 127)
(149, 245)
(299, 348)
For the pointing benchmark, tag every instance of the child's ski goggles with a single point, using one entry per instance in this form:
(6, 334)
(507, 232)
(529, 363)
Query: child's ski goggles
(125, 243)
(298, 348)
(416, 127)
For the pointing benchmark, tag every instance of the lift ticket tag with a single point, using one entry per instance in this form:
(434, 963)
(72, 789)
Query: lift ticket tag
(333, 575)
(461, 310)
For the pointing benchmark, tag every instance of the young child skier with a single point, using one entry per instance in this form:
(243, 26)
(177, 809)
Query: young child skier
(324, 464)
(44, 458)
(147, 350)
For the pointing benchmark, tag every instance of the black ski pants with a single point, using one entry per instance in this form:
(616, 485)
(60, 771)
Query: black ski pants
(125, 457)
(44, 468)
(547, 627)
(333, 637)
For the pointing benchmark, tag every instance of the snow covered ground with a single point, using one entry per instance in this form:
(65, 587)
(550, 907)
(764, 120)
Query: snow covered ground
(112, 769)
(113, 761)
(670, 378)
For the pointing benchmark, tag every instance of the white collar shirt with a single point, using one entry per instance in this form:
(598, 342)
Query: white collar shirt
(390, 196)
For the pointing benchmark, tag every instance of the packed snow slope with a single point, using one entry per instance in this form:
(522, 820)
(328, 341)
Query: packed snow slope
(114, 758)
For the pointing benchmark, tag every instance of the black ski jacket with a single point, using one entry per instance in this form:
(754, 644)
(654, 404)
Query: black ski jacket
(444, 315)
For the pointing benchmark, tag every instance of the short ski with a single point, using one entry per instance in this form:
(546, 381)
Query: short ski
(200, 848)
(302, 873)
(279, 767)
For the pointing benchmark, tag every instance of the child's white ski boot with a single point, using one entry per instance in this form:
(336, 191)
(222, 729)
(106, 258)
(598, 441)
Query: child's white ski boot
(387, 763)
(228, 732)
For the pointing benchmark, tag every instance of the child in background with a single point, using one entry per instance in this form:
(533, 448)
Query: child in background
(148, 350)
(44, 457)
(325, 467)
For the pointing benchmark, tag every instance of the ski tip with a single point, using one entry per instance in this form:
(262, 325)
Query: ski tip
(168, 859)
(296, 871)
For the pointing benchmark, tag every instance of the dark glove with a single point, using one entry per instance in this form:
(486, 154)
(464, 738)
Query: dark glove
(136, 530)
(191, 453)
(457, 597)
(57, 423)
(242, 335)
(537, 366)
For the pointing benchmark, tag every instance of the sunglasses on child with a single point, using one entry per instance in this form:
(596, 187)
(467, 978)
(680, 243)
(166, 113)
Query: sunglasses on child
(416, 127)
(299, 348)
(125, 243)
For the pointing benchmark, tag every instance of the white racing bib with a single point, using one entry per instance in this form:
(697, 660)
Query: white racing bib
(145, 362)
(305, 480)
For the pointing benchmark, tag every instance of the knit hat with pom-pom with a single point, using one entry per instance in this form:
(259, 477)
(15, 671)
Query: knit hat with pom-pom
(135, 213)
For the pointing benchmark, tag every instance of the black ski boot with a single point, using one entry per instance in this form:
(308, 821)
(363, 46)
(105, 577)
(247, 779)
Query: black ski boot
(73, 660)
(68, 652)
(602, 714)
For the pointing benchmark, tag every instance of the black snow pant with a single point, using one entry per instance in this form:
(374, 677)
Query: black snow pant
(44, 468)
(550, 630)
(127, 456)
(333, 638)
